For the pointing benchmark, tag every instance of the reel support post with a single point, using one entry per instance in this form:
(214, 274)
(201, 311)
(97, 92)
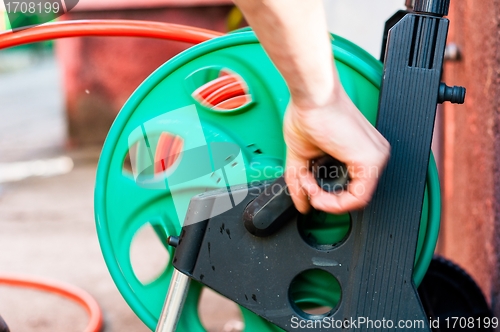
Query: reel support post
(174, 302)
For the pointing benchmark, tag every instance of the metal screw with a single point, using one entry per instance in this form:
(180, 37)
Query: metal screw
(173, 241)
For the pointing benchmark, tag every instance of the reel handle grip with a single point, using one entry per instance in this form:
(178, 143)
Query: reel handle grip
(331, 174)
(274, 206)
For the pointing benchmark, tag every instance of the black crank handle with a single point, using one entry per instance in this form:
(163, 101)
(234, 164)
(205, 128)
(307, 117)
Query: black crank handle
(274, 206)
(331, 174)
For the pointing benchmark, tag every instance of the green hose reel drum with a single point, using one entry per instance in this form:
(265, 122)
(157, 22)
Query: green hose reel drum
(225, 92)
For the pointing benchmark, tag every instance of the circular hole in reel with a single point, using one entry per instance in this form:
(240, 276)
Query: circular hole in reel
(314, 294)
(219, 89)
(324, 231)
(155, 154)
(217, 313)
(127, 168)
(148, 256)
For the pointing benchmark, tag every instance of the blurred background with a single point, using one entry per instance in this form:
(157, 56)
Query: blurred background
(58, 100)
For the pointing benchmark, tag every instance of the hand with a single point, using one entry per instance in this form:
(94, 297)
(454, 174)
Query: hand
(339, 129)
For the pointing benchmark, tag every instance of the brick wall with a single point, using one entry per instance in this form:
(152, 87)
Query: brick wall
(471, 217)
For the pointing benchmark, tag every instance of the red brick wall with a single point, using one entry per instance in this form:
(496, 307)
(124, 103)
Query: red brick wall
(471, 218)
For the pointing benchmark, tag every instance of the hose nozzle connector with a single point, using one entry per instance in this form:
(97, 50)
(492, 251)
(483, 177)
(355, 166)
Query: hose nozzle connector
(432, 7)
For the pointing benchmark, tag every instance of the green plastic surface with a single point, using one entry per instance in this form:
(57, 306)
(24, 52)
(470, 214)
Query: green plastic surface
(122, 207)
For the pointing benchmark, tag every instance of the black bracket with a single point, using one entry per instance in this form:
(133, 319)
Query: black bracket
(374, 263)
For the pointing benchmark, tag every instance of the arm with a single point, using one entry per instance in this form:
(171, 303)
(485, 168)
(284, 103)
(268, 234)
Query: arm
(320, 119)
(295, 35)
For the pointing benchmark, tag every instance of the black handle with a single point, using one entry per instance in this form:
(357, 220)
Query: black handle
(270, 210)
(274, 206)
(331, 174)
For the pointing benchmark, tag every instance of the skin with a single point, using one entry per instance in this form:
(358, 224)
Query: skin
(320, 119)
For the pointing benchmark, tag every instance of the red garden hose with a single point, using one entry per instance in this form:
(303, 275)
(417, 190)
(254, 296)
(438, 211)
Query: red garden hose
(126, 28)
(70, 292)
(82, 28)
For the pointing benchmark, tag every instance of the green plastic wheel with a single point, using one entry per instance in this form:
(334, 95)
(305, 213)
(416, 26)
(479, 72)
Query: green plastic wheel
(228, 90)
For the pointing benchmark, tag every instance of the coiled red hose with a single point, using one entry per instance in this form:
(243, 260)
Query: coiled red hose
(70, 292)
(125, 28)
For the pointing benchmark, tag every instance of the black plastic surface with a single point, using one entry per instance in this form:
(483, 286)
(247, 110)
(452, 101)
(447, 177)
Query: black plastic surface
(388, 26)
(186, 255)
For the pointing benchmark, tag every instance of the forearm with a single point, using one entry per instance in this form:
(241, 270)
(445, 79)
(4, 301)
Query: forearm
(294, 34)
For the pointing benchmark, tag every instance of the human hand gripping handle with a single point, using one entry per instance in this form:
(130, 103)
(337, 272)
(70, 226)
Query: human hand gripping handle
(341, 180)
(334, 160)
(338, 129)
(321, 119)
